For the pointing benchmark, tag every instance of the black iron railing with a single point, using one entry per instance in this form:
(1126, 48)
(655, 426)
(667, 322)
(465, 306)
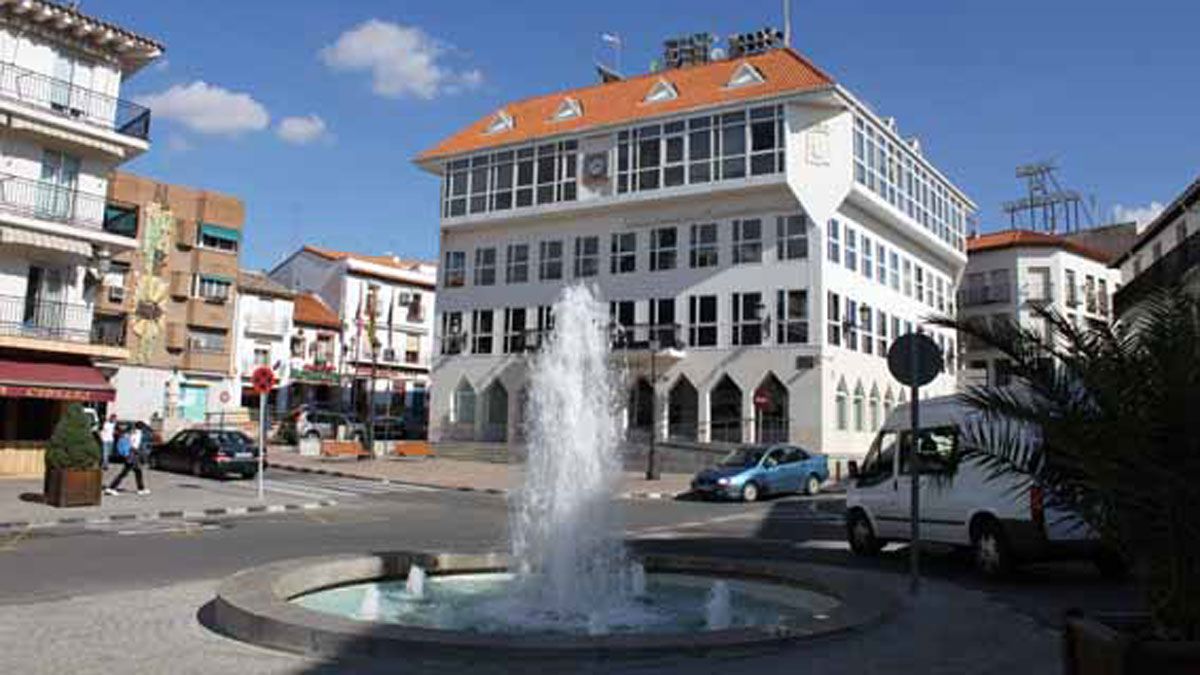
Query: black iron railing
(33, 317)
(50, 201)
(1167, 271)
(73, 101)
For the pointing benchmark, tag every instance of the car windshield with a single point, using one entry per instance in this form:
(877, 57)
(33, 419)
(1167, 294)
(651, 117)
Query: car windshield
(743, 457)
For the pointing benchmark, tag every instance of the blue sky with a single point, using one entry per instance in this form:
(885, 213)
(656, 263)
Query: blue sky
(1106, 88)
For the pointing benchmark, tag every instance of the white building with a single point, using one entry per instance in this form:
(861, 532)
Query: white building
(1011, 272)
(387, 295)
(262, 334)
(65, 128)
(1166, 253)
(750, 211)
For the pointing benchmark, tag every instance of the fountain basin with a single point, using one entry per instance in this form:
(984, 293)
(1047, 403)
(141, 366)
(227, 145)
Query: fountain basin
(266, 606)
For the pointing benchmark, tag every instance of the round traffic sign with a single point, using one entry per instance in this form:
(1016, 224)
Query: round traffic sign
(263, 379)
(224, 396)
(914, 359)
(761, 400)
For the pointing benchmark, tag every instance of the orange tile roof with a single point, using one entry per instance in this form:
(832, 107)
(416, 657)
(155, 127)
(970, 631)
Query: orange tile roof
(311, 310)
(385, 260)
(783, 70)
(994, 241)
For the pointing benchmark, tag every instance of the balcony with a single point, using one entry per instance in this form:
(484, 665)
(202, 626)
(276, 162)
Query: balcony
(210, 313)
(1169, 270)
(975, 296)
(74, 102)
(50, 201)
(45, 325)
(216, 361)
(266, 325)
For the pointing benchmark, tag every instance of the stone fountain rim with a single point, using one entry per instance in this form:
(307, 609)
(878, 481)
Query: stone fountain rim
(255, 606)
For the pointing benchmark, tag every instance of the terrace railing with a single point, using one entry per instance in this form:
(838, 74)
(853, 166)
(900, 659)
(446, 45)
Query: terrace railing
(74, 101)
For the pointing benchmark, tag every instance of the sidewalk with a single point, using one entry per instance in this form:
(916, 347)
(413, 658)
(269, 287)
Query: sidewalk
(459, 474)
(172, 496)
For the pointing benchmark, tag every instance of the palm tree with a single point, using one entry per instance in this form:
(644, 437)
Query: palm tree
(1117, 410)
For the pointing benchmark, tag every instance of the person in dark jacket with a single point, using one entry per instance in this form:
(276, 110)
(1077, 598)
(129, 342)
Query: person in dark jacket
(132, 446)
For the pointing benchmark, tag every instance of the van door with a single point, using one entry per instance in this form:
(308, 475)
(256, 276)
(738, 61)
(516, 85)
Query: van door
(943, 516)
(876, 486)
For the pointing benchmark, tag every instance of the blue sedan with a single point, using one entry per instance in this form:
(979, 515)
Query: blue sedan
(750, 472)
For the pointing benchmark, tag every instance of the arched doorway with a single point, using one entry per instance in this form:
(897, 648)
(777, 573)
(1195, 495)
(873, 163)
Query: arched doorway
(641, 408)
(771, 410)
(683, 411)
(495, 413)
(725, 411)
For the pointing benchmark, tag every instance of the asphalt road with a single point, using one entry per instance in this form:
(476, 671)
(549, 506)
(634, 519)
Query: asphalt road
(55, 564)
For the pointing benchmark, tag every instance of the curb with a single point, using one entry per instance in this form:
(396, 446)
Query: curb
(451, 488)
(185, 515)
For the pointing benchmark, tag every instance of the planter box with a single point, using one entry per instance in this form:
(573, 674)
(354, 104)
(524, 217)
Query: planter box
(310, 447)
(1110, 644)
(73, 487)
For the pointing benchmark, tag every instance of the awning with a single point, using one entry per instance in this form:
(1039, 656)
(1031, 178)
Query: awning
(219, 232)
(59, 381)
(16, 236)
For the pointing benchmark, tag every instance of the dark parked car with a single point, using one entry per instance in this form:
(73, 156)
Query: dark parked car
(208, 452)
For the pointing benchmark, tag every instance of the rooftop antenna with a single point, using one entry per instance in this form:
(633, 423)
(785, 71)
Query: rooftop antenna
(787, 23)
(1047, 206)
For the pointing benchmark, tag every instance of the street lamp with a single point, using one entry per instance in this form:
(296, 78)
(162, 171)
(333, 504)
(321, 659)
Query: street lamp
(651, 465)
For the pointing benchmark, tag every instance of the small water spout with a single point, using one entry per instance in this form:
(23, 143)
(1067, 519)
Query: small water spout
(368, 608)
(415, 584)
(717, 611)
(637, 579)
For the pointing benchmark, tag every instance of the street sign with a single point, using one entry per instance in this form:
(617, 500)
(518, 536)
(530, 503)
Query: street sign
(914, 359)
(263, 379)
(762, 400)
(224, 396)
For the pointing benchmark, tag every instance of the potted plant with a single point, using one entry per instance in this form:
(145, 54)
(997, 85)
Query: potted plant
(73, 476)
(1118, 413)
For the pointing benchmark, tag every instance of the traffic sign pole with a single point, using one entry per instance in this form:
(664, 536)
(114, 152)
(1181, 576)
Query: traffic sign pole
(914, 547)
(262, 441)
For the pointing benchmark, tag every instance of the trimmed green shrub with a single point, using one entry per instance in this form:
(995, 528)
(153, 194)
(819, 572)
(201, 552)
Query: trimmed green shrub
(72, 446)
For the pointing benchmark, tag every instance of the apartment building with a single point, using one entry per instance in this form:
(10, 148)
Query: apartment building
(263, 333)
(385, 305)
(1009, 273)
(760, 235)
(178, 301)
(1166, 253)
(315, 354)
(64, 128)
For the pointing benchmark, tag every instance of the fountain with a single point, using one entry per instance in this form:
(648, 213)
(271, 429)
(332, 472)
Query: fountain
(568, 581)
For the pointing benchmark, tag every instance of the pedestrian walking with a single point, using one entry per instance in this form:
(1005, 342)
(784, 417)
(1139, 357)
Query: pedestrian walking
(129, 446)
(108, 434)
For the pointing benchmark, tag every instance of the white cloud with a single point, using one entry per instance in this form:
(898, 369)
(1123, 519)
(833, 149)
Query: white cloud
(301, 130)
(403, 60)
(1141, 215)
(208, 109)
(178, 143)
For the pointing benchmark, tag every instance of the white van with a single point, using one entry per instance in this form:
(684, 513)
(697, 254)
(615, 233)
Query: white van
(1004, 521)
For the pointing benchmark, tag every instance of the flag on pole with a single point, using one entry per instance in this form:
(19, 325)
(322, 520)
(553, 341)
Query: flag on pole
(611, 38)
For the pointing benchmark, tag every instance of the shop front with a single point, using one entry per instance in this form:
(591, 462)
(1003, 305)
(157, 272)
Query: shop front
(34, 393)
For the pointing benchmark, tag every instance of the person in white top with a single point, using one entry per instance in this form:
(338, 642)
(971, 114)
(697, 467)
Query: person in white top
(108, 434)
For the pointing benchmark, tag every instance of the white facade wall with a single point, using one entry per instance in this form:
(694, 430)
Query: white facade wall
(263, 325)
(818, 183)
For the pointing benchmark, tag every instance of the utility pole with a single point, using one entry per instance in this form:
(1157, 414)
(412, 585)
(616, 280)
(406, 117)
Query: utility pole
(651, 468)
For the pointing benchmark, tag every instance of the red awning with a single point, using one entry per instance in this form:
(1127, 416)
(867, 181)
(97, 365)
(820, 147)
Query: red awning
(60, 381)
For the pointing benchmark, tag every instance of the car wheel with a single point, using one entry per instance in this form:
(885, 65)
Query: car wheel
(813, 485)
(861, 535)
(750, 492)
(990, 550)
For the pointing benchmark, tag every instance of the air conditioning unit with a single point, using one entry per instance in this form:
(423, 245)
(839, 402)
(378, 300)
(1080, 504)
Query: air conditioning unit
(116, 294)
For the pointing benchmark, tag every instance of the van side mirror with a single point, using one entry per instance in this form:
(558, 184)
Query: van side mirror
(852, 467)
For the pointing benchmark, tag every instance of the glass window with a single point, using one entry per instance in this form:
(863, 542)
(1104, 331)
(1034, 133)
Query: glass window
(703, 245)
(456, 269)
(209, 340)
(662, 248)
(550, 260)
(702, 321)
(842, 405)
(868, 260)
(747, 320)
(662, 318)
(850, 324)
(908, 285)
(733, 145)
(213, 288)
(511, 179)
(881, 324)
(791, 234)
(481, 331)
(485, 266)
(517, 264)
(452, 333)
(747, 241)
(858, 408)
(881, 268)
(937, 450)
(866, 328)
(587, 256)
(851, 249)
(833, 307)
(791, 316)
(623, 253)
(514, 330)
(894, 270)
(835, 251)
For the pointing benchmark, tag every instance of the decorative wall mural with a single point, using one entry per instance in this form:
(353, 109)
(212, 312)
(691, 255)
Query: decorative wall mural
(149, 312)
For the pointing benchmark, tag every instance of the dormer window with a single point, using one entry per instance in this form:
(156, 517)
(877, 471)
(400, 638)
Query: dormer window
(567, 110)
(744, 76)
(661, 91)
(501, 122)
